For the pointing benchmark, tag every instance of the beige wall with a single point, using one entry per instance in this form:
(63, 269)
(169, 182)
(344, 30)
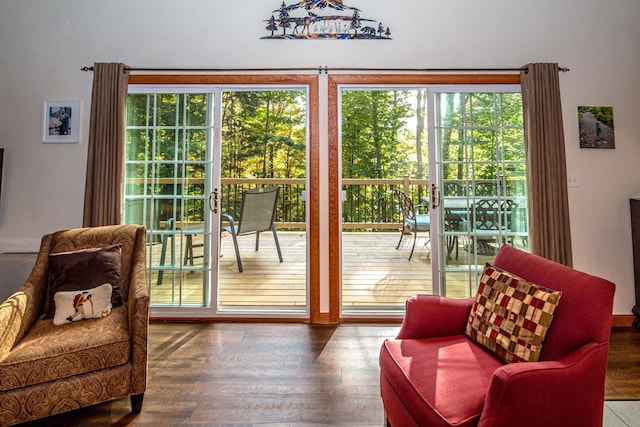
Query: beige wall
(44, 43)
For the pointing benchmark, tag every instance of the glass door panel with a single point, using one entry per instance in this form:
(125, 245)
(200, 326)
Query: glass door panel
(480, 164)
(264, 142)
(384, 152)
(167, 158)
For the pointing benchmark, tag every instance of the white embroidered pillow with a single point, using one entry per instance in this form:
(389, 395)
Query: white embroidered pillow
(72, 306)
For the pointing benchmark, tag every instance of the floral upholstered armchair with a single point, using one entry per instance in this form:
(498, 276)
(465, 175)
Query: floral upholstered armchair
(75, 334)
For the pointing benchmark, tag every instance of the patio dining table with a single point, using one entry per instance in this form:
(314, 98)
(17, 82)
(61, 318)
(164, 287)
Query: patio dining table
(463, 215)
(455, 220)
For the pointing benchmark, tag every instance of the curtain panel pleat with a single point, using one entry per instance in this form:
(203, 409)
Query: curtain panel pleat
(549, 226)
(105, 158)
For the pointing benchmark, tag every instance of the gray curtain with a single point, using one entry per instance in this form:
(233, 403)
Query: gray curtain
(105, 159)
(549, 228)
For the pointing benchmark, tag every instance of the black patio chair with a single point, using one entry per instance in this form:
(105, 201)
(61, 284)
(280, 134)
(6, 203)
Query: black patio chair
(492, 217)
(412, 220)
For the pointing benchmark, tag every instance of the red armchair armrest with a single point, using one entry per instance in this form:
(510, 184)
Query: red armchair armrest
(434, 316)
(567, 391)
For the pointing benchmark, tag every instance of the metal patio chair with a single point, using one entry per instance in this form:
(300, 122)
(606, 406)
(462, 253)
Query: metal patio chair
(491, 218)
(412, 220)
(257, 214)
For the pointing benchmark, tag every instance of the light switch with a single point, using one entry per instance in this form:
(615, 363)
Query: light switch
(573, 180)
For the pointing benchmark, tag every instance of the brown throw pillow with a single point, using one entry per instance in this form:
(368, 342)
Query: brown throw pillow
(84, 269)
(511, 316)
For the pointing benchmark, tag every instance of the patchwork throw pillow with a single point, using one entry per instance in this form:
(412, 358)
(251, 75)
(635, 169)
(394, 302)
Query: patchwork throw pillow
(84, 269)
(72, 306)
(511, 316)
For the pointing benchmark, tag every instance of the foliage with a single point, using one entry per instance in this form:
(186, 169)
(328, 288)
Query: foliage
(603, 114)
(481, 134)
(377, 144)
(264, 135)
(375, 140)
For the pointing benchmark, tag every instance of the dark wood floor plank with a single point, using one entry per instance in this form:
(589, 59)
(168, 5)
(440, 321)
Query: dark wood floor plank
(235, 374)
(623, 373)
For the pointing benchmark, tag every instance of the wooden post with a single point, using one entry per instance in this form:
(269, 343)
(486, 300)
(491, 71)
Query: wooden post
(406, 185)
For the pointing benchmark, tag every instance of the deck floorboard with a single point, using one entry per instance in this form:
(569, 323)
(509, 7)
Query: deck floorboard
(374, 273)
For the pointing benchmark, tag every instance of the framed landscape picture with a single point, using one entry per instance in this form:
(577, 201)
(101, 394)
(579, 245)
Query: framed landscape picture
(596, 127)
(60, 121)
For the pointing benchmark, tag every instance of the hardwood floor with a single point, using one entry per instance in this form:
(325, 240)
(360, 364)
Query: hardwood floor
(253, 374)
(622, 388)
(623, 375)
(257, 374)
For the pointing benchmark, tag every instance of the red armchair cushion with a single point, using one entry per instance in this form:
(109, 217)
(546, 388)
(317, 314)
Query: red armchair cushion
(443, 381)
(511, 316)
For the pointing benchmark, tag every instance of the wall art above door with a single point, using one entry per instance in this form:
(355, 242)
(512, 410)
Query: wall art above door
(323, 19)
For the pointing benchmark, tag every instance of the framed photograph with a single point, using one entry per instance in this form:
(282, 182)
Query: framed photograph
(596, 127)
(61, 121)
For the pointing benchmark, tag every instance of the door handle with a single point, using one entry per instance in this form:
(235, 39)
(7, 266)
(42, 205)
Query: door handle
(213, 201)
(436, 198)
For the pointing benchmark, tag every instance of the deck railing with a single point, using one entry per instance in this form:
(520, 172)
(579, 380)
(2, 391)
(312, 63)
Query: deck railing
(367, 203)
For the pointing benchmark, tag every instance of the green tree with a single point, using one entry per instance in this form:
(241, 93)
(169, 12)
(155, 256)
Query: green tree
(373, 142)
(264, 134)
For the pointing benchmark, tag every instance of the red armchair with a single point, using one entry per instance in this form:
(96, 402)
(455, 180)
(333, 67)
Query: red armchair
(432, 374)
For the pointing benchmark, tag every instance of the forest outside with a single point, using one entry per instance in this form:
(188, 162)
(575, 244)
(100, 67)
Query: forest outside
(264, 142)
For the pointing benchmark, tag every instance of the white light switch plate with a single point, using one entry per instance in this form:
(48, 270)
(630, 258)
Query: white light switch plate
(573, 180)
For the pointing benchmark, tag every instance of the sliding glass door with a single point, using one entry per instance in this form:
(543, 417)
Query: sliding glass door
(193, 153)
(384, 153)
(432, 182)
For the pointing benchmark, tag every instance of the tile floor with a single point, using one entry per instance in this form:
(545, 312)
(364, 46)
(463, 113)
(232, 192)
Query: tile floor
(621, 414)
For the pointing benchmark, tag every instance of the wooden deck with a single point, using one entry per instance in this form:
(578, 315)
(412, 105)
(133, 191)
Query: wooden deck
(374, 274)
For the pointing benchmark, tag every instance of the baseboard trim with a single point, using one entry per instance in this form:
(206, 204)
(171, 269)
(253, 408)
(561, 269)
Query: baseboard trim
(323, 319)
(622, 320)
(617, 320)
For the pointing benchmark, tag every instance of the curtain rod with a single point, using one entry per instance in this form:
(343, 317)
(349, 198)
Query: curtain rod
(326, 69)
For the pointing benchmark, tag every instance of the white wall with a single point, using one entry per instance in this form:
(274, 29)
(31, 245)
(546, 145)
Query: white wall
(44, 43)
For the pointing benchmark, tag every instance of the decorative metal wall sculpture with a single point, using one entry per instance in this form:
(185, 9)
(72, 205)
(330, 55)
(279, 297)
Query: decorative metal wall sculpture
(306, 19)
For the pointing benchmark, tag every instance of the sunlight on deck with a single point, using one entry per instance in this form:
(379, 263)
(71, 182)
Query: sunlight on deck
(374, 273)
